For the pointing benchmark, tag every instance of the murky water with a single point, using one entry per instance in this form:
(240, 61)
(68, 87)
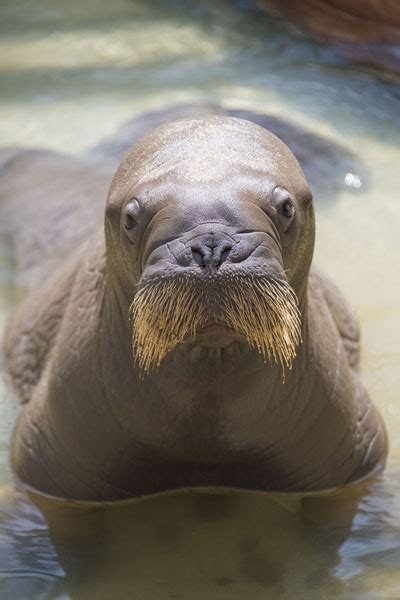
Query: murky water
(72, 72)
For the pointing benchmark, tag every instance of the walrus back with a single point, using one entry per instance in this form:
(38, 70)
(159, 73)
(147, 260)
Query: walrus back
(49, 204)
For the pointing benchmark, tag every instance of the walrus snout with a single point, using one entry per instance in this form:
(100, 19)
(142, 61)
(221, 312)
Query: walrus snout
(211, 250)
(223, 252)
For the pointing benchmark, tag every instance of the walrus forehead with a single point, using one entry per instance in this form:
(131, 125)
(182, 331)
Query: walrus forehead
(206, 150)
(215, 161)
(173, 190)
(213, 168)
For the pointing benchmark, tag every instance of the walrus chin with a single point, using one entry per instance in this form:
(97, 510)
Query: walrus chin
(264, 310)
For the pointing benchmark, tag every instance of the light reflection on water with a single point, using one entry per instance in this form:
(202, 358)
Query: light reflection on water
(72, 73)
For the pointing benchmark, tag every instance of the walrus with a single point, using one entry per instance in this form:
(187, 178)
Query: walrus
(189, 344)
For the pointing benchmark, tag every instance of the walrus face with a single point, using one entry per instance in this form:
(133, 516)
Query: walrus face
(212, 239)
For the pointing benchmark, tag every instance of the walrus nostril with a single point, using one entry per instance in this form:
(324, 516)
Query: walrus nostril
(201, 257)
(210, 253)
(220, 253)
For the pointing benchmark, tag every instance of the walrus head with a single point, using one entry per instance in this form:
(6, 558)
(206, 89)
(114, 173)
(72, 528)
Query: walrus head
(210, 230)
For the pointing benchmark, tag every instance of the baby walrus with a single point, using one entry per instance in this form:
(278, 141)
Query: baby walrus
(189, 345)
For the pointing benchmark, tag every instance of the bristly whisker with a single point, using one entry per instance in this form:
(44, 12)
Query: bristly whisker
(264, 311)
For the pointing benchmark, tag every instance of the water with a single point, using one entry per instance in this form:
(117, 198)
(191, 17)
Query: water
(73, 72)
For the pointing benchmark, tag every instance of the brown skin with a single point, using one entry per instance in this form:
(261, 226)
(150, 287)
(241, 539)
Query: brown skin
(214, 414)
(49, 203)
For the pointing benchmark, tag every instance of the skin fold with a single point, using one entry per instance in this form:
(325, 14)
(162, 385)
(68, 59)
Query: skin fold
(215, 201)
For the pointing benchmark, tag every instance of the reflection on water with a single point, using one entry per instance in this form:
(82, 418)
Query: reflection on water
(340, 545)
(222, 546)
(72, 73)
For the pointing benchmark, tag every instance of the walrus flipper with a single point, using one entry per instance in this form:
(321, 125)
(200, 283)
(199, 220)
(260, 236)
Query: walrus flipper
(343, 315)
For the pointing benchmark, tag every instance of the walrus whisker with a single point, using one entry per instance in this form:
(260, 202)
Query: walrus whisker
(263, 310)
(164, 312)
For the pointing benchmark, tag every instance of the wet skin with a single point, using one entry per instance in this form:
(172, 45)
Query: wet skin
(217, 201)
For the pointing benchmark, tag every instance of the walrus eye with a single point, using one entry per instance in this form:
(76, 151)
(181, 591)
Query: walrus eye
(284, 205)
(287, 209)
(130, 215)
(130, 222)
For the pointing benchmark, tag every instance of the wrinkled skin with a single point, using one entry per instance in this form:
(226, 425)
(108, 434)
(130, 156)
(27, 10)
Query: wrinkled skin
(204, 197)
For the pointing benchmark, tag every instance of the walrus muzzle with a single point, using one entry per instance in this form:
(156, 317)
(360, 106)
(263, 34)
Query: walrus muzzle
(263, 310)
